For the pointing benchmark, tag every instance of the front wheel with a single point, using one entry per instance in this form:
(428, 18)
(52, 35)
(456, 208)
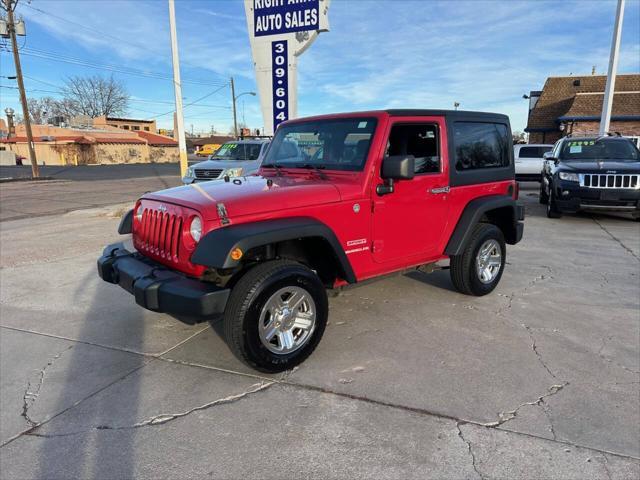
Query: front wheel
(544, 197)
(552, 208)
(479, 268)
(276, 315)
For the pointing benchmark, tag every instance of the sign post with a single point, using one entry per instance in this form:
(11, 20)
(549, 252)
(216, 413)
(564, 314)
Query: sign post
(279, 32)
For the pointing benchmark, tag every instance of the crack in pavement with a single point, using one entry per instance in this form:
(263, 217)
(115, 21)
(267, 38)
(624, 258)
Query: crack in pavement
(605, 464)
(31, 395)
(613, 237)
(504, 417)
(547, 413)
(469, 449)
(534, 347)
(164, 418)
(610, 360)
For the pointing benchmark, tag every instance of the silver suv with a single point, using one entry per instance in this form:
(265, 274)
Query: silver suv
(233, 159)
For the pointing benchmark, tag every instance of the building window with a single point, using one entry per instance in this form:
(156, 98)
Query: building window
(146, 129)
(135, 127)
(126, 127)
(481, 145)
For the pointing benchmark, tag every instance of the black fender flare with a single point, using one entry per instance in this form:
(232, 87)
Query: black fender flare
(126, 223)
(472, 214)
(215, 247)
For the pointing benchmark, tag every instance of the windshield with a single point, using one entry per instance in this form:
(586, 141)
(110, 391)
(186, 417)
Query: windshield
(340, 144)
(238, 151)
(592, 149)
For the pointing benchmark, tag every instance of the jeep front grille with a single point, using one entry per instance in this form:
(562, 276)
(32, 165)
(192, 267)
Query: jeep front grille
(160, 234)
(596, 180)
(208, 173)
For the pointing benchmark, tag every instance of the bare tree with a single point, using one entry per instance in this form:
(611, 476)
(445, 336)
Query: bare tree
(95, 96)
(41, 109)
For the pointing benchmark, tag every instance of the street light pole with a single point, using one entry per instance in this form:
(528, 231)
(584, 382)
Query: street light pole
(233, 99)
(35, 170)
(607, 101)
(182, 143)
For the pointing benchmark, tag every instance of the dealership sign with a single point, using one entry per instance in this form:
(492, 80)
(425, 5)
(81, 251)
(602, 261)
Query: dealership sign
(274, 17)
(279, 32)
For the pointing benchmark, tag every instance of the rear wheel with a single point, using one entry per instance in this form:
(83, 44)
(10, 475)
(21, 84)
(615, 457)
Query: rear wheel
(276, 315)
(479, 268)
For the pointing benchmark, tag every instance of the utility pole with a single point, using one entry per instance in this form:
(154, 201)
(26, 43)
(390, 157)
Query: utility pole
(607, 101)
(233, 100)
(11, 27)
(177, 86)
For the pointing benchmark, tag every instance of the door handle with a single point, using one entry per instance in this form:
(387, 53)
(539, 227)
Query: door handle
(438, 190)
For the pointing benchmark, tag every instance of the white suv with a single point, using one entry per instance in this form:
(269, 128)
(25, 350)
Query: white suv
(528, 158)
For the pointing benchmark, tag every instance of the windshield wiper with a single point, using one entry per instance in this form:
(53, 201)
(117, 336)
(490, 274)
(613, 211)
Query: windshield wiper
(318, 169)
(277, 167)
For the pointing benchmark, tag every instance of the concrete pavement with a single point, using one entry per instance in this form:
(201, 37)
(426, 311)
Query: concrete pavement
(540, 379)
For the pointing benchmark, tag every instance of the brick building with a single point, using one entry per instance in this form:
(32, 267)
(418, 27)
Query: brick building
(574, 105)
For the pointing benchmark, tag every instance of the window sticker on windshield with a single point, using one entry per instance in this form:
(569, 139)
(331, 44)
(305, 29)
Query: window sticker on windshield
(575, 149)
(362, 125)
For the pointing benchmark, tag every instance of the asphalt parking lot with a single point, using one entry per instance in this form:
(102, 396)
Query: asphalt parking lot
(540, 379)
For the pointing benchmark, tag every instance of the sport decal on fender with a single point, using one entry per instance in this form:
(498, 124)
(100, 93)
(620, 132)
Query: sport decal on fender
(353, 243)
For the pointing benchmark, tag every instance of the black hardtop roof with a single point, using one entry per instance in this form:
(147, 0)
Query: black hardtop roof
(455, 114)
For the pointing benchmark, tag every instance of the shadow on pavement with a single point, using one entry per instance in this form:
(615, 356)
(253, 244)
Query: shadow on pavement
(94, 449)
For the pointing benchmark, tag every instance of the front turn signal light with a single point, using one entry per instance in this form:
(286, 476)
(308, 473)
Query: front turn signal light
(236, 254)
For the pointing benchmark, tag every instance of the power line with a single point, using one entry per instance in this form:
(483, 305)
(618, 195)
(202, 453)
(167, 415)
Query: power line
(192, 103)
(109, 36)
(56, 57)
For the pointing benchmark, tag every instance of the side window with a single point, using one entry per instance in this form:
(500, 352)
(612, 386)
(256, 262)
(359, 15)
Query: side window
(530, 152)
(419, 140)
(481, 145)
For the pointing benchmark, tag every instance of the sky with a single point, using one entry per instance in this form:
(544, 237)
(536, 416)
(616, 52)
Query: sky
(378, 54)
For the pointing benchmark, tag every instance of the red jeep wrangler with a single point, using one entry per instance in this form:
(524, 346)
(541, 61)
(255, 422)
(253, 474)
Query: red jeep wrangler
(338, 199)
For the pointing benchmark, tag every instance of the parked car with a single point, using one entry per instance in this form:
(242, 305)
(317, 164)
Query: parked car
(591, 173)
(233, 159)
(529, 159)
(208, 149)
(261, 252)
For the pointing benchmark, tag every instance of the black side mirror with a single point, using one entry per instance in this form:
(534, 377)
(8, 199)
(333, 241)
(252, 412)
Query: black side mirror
(549, 156)
(397, 167)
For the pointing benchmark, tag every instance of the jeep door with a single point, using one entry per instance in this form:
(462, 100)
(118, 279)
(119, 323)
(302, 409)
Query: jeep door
(408, 224)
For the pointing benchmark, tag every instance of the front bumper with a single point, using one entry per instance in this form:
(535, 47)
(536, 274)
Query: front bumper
(570, 197)
(160, 289)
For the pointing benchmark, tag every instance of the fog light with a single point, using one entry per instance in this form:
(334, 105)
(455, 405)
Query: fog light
(565, 192)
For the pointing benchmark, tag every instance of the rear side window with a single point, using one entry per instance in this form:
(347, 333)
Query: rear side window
(533, 152)
(481, 145)
(419, 140)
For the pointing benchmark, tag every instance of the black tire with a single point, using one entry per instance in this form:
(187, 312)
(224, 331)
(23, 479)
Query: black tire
(552, 208)
(247, 298)
(543, 198)
(464, 273)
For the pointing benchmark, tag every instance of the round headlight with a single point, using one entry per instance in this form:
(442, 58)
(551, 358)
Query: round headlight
(196, 229)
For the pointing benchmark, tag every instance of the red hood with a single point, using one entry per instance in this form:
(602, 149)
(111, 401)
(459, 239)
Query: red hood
(250, 195)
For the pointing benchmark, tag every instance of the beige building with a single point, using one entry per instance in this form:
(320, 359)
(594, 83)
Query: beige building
(66, 146)
(126, 124)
